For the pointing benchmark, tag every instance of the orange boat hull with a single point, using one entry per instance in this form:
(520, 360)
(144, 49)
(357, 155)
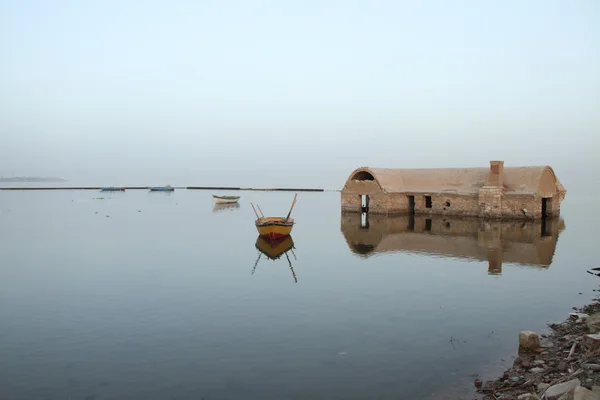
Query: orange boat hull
(274, 227)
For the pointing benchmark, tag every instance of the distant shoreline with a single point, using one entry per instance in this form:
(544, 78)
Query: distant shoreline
(175, 187)
(16, 179)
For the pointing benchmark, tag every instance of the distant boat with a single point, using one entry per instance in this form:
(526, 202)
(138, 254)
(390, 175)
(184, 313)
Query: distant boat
(274, 227)
(112, 189)
(167, 188)
(225, 199)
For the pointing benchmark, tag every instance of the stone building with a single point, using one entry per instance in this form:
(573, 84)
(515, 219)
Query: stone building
(495, 192)
(527, 243)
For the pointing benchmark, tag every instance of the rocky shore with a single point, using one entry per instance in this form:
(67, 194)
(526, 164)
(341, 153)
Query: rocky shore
(561, 364)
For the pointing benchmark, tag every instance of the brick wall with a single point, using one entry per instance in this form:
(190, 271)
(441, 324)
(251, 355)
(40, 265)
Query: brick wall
(490, 203)
(513, 206)
(446, 204)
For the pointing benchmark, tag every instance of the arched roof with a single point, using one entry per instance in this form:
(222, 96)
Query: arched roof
(517, 180)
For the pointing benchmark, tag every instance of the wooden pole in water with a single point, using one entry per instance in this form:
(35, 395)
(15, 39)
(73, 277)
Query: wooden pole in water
(255, 213)
(291, 208)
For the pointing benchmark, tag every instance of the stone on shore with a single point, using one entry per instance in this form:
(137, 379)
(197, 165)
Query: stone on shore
(592, 367)
(579, 393)
(593, 323)
(556, 391)
(529, 340)
(528, 396)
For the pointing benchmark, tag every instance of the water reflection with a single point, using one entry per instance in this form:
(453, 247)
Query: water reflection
(218, 207)
(273, 249)
(529, 243)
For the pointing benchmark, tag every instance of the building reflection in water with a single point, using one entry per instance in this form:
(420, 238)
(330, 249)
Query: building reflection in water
(530, 243)
(273, 249)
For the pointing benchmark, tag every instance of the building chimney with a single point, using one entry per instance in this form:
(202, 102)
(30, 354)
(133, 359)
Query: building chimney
(496, 177)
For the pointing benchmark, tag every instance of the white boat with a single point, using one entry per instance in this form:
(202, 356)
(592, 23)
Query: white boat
(225, 199)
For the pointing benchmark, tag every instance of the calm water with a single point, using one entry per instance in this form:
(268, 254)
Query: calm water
(156, 296)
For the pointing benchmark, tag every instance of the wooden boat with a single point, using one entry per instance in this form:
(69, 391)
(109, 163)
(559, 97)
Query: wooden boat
(274, 227)
(112, 189)
(167, 188)
(225, 199)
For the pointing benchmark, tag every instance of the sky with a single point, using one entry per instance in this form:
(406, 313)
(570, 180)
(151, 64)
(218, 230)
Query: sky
(278, 92)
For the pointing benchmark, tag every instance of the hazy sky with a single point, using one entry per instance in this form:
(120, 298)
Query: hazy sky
(243, 89)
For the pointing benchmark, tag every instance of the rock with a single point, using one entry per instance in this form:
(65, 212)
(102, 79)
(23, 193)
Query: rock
(529, 340)
(539, 362)
(593, 339)
(581, 393)
(526, 364)
(554, 392)
(542, 386)
(537, 370)
(593, 322)
(593, 367)
(578, 316)
(562, 366)
(528, 396)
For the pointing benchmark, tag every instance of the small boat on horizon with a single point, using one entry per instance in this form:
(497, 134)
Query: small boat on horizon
(274, 227)
(225, 199)
(167, 188)
(112, 189)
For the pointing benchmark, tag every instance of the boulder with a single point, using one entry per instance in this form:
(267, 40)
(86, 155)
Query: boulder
(529, 340)
(579, 393)
(554, 392)
(593, 322)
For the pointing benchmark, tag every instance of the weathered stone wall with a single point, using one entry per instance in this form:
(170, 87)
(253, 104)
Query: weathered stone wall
(513, 206)
(490, 203)
(378, 202)
(447, 204)
(553, 205)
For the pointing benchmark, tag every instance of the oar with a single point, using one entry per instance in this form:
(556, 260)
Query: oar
(261, 213)
(291, 208)
(256, 263)
(255, 213)
(291, 268)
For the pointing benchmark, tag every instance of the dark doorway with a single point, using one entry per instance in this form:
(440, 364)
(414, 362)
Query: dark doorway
(411, 223)
(411, 204)
(546, 227)
(364, 203)
(427, 201)
(544, 208)
(428, 224)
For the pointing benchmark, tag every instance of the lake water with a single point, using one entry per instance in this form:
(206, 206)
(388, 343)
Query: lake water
(144, 295)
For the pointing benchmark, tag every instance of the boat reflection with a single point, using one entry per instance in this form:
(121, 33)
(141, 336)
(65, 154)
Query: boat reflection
(530, 243)
(218, 207)
(273, 249)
